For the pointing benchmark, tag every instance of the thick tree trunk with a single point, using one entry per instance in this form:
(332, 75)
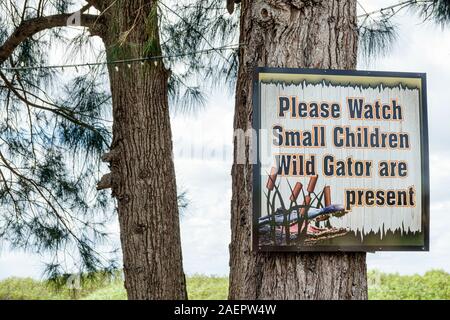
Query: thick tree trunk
(282, 33)
(142, 170)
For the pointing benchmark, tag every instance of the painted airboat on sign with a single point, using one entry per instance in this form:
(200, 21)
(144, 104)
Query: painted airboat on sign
(342, 161)
(302, 219)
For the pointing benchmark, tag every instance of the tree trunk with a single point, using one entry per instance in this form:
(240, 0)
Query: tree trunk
(282, 33)
(142, 170)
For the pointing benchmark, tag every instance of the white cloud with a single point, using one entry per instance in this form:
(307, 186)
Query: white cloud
(205, 227)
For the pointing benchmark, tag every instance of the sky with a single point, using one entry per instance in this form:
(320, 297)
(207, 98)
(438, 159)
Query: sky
(203, 146)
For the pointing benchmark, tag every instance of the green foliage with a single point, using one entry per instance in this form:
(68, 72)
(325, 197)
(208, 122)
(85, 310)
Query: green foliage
(30, 289)
(202, 287)
(433, 285)
(115, 291)
(84, 98)
(102, 287)
(199, 287)
(151, 48)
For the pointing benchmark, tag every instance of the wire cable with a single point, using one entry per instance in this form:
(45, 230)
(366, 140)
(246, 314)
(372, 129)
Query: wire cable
(123, 61)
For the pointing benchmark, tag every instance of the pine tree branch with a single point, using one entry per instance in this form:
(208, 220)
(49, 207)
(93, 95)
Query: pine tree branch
(30, 27)
(39, 190)
(67, 114)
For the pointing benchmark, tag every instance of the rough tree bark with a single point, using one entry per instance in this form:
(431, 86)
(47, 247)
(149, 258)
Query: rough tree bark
(295, 33)
(142, 169)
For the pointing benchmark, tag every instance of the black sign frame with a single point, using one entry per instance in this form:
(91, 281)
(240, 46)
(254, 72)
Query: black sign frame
(425, 179)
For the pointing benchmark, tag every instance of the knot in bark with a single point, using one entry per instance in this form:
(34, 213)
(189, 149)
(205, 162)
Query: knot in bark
(139, 228)
(263, 13)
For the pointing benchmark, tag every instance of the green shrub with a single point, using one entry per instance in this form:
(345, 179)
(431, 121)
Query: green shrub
(115, 291)
(28, 289)
(199, 287)
(202, 287)
(434, 284)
